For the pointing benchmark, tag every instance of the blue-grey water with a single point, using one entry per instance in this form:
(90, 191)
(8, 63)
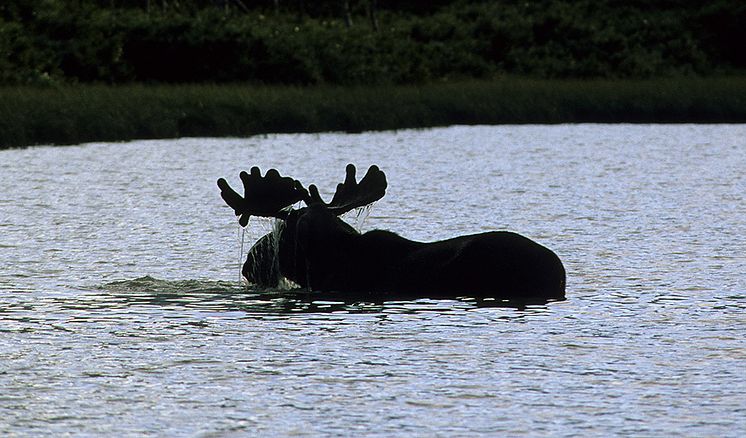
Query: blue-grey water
(121, 313)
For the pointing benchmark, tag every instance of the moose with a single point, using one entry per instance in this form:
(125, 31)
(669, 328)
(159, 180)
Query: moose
(317, 250)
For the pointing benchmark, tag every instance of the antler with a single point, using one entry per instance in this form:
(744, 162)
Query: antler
(351, 194)
(263, 196)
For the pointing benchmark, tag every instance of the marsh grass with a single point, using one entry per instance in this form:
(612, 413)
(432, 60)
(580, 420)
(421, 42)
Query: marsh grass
(86, 113)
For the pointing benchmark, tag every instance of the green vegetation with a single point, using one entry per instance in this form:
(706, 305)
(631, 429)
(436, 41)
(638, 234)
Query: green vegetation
(75, 114)
(92, 70)
(364, 41)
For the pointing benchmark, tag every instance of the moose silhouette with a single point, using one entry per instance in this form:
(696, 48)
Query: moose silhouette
(320, 252)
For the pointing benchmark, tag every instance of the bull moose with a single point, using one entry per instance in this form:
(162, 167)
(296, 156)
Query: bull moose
(320, 252)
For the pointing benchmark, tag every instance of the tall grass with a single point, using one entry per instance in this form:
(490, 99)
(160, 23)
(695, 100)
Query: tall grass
(86, 113)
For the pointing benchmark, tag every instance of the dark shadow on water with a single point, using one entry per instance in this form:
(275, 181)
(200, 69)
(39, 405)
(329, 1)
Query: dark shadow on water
(229, 296)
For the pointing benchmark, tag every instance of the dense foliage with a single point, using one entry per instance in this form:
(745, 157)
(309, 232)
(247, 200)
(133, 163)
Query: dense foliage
(364, 41)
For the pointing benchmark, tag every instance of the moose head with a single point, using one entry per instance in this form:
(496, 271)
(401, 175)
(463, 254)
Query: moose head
(305, 233)
(319, 251)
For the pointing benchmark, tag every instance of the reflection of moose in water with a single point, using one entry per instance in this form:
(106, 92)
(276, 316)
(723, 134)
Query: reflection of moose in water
(319, 251)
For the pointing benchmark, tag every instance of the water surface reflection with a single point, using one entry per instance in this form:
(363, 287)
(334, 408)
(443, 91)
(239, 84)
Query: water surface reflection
(121, 312)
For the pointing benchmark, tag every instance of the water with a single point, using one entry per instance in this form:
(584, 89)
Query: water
(121, 313)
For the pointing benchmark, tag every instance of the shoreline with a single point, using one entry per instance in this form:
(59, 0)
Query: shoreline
(97, 113)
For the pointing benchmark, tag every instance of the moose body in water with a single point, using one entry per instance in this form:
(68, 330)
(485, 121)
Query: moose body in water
(317, 250)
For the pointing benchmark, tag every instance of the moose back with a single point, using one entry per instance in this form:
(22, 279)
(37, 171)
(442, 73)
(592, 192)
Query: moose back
(317, 250)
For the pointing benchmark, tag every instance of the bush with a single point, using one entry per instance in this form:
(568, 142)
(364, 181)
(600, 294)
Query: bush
(61, 41)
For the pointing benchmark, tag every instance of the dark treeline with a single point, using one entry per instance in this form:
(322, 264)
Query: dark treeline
(364, 41)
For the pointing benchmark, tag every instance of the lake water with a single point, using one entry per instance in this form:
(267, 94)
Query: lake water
(121, 311)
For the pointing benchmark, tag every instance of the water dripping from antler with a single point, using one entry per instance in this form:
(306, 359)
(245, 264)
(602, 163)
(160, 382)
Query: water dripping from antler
(358, 217)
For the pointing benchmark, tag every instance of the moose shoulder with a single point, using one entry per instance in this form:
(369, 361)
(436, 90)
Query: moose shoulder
(319, 251)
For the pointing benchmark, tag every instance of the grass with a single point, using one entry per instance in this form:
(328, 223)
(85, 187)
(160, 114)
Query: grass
(85, 113)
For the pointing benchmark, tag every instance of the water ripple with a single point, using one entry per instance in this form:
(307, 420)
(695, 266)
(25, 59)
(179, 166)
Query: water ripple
(648, 219)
